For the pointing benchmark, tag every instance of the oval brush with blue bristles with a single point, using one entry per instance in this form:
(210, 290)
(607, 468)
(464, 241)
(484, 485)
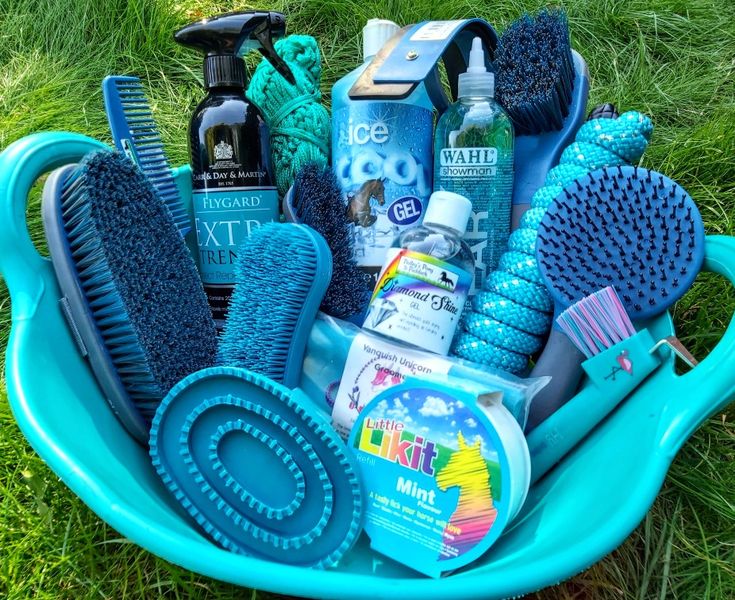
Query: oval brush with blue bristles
(130, 289)
(626, 227)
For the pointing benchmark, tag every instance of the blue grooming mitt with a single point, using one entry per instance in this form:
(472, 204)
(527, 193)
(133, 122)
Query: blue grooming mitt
(258, 467)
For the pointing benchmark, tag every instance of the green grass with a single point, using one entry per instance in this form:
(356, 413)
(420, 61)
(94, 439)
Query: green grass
(673, 59)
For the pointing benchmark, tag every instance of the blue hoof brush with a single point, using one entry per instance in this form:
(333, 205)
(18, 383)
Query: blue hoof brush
(543, 85)
(625, 227)
(130, 289)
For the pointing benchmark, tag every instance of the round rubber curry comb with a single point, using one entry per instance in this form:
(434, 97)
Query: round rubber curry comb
(258, 467)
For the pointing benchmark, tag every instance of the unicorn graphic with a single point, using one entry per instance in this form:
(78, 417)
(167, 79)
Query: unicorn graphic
(475, 512)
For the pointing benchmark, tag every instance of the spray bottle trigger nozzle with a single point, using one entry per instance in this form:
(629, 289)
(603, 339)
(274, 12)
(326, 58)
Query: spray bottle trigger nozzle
(262, 33)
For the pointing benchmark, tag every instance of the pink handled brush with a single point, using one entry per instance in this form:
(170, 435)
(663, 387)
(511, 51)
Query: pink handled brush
(618, 360)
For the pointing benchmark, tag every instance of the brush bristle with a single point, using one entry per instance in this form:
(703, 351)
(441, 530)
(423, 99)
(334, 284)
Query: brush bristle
(627, 227)
(138, 277)
(596, 322)
(282, 271)
(318, 202)
(535, 72)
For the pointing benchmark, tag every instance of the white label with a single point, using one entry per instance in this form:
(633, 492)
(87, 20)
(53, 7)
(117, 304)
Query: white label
(436, 31)
(418, 300)
(374, 365)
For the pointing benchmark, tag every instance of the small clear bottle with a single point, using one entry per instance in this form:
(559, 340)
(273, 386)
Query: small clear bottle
(473, 156)
(424, 284)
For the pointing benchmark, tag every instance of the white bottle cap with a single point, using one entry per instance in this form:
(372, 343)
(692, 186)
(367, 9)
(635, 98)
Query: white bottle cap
(375, 34)
(450, 210)
(477, 81)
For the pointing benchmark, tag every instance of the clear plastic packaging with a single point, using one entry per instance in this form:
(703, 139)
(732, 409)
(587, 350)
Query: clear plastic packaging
(326, 357)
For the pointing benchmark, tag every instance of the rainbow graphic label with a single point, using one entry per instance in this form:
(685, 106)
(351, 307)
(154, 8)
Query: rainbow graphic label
(419, 300)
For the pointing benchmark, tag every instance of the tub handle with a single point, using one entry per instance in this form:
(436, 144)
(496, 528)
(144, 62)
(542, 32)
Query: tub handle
(21, 164)
(710, 386)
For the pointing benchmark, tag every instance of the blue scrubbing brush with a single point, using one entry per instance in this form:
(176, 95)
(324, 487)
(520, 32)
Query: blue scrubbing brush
(316, 200)
(543, 85)
(278, 290)
(130, 288)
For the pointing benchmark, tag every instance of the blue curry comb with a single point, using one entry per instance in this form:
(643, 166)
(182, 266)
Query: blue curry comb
(258, 467)
(626, 227)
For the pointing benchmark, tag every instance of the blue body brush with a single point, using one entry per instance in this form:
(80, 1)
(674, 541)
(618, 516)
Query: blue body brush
(543, 85)
(626, 227)
(130, 289)
(279, 287)
(135, 133)
(255, 462)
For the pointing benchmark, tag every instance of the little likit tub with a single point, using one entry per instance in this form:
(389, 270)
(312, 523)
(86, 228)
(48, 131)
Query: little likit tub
(579, 512)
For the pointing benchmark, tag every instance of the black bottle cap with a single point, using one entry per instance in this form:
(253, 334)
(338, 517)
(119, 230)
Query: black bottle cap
(224, 70)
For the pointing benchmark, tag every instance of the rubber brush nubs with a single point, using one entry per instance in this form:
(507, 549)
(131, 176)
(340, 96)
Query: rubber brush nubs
(281, 280)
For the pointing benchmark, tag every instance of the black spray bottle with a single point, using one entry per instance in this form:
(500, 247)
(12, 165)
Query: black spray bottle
(234, 187)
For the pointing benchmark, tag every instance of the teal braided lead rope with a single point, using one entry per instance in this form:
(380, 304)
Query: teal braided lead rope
(299, 124)
(510, 319)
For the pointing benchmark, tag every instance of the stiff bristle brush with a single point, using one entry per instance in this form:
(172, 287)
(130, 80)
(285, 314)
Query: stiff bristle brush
(277, 294)
(543, 84)
(626, 227)
(135, 134)
(130, 289)
(246, 452)
(316, 200)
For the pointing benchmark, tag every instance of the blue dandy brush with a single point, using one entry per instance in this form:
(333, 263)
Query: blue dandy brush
(626, 227)
(130, 289)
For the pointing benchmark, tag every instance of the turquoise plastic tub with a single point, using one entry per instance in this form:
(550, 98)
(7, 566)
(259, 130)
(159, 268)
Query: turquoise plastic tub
(582, 510)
